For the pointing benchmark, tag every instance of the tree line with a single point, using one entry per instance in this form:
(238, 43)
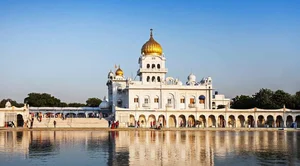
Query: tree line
(264, 98)
(47, 100)
(267, 99)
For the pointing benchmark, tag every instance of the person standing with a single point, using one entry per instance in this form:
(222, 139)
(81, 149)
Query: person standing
(54, 123)
(31, 123)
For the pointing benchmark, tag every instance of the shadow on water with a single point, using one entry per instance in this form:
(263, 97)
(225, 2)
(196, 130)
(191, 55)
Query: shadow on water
(151, 147)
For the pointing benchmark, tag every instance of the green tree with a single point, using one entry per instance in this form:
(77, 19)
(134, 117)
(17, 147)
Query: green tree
(12, 102)
(41, 100)
(93, 102)
(296, 99)
(263, 99)
(63, 104)
(243, 102)
(281, 98)
(76, 105)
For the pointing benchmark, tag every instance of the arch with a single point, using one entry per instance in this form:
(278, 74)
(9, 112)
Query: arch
(142, 121)
(211, 121)
(158, 79)
(136, 99)
(59, 115)
(191, 121)
(182, 121)
(297, 120)
(81, 115)
(270, 121)
(221, 121)
(148, 66)
(170, 100)
(146, 99)
(240, 121)
(158, 66)
(20, 120)
(214, 105)
(119, 102)
(192, 100)
(279, 121)
(131, 121)
(289, 121)
(201, 99)
(202, 121)
(153, 79)
(182, 102)
(148, 78)
(49, 115)
(250, 121)
(172, 121)
(153, 66)
(72, 115)
(261, 121)
(231, 121)
(161, 120)
(151, 120)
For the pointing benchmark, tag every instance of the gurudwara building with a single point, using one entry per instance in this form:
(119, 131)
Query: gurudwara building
(157, 98)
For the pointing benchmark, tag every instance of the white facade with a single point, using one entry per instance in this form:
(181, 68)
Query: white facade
(153, 90)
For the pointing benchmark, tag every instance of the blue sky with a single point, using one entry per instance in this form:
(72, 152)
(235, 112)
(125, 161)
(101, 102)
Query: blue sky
(66, 48)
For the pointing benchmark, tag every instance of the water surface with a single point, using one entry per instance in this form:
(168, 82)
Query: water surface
(77, 148)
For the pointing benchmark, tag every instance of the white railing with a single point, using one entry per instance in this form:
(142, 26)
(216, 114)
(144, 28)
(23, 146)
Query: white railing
(192, 105)
(146, 105)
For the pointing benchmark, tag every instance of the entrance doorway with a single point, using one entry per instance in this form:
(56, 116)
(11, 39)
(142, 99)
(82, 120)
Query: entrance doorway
(20, 121)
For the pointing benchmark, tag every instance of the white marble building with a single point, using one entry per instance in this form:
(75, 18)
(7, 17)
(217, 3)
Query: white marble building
(153, 90)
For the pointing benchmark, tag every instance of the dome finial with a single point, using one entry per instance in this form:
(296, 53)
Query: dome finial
(151, 35)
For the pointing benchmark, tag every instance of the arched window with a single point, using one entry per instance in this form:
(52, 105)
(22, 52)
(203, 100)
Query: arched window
(202, 99)
(182, 99)
(158, 66)
(148, 66)
(153, 66)
(158, 79)
(153, 79)
(136, 99)
(148, 79)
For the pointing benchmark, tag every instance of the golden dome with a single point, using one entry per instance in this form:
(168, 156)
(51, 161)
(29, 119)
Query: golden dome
(119, 72)
(151, 47)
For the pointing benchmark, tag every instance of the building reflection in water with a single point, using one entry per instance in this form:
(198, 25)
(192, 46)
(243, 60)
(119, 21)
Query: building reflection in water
(157, 147)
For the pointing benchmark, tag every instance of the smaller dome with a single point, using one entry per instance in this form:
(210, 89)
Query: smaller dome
(7, 104)
(192, 78)
(179, 83)
(119, 72)
(104, 104)
(202, 97)
(110, 75)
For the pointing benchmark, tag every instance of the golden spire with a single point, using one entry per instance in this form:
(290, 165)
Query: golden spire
(151, 35)
(151, 47)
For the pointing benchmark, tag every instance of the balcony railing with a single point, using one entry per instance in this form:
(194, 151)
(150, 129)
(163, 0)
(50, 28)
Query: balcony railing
(153, 70)
(146, 105)
(192, 105)
(169, 105)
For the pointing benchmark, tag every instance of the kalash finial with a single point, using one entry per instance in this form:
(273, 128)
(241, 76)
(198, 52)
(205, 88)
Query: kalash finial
(151, 32)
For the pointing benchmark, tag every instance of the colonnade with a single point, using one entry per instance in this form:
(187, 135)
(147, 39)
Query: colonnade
(233, 120)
